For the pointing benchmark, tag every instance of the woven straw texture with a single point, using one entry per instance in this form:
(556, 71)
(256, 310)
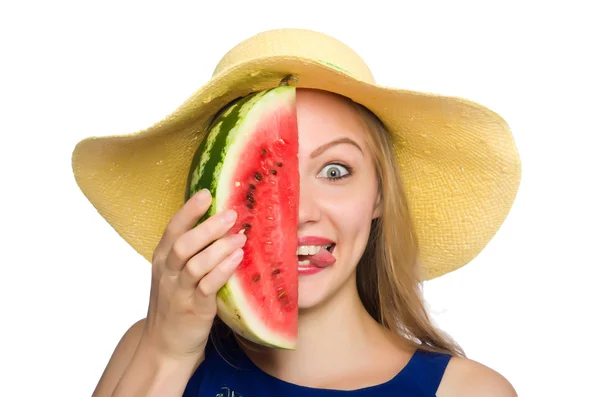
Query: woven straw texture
(458, 159)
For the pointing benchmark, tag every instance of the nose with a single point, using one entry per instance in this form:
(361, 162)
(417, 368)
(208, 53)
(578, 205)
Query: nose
(309, 210)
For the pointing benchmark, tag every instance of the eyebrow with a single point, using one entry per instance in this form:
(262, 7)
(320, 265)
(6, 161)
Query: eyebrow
(328, 145)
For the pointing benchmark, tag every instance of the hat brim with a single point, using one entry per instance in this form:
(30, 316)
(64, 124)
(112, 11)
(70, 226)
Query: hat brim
(458, 160)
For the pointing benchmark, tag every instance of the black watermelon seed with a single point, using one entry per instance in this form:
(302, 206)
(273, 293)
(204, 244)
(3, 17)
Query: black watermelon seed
(246, 225)
(252, 187)
(250, 198)
(263, 151)
(256, 277)
(276, 272)
(258, 176)
(279, 164)
(249, 205)
(273, 172)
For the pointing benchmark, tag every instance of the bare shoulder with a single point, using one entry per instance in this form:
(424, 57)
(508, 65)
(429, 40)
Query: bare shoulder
(468, 378)
(120, 359)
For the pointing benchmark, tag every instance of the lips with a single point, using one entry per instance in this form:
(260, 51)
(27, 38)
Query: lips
(313, 240)
(315, 251)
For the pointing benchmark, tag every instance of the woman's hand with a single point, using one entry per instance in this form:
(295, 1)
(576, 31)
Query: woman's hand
(157, 355)
(189, 266)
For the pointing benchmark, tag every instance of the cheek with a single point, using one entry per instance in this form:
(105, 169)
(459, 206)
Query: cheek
(353, 204)
(351, 214)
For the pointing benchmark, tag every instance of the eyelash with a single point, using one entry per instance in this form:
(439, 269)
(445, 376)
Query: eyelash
(338, 178)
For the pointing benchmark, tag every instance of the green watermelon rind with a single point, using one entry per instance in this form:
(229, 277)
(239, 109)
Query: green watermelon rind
(213, 167)
(207, 164)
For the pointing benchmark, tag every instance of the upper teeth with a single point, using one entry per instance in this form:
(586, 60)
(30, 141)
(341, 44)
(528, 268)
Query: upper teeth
(310, 249)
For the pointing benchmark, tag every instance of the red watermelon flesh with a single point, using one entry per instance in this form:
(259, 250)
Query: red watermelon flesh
(249, 161)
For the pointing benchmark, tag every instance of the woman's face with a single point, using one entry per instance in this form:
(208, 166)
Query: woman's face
(338, 195)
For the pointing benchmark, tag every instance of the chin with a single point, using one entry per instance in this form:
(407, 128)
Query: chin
(314, 289)
(317, 289)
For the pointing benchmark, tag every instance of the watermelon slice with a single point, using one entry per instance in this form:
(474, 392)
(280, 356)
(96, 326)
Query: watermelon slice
(249, 162)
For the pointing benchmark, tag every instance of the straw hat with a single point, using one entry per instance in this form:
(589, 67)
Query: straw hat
(458, 159)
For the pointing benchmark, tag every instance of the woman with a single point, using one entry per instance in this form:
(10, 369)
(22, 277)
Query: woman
(363, 328)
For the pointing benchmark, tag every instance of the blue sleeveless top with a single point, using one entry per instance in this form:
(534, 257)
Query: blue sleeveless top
(235, 375)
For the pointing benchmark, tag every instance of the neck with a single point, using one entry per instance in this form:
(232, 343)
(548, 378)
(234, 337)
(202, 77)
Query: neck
(334, 326)
(336, 334)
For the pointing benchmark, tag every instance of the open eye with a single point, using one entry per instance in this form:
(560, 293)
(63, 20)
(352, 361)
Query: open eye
(334, 172)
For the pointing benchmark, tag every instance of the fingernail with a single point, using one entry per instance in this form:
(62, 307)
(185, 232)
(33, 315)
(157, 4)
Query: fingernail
(237, 255)
(203, 195)
(238, 239)
(234, 260)
(229, 216)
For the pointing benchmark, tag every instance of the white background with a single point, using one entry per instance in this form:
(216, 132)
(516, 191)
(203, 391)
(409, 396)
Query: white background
(69, 287)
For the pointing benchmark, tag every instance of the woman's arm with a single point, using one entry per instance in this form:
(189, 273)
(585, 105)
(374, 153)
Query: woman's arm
(136, 369)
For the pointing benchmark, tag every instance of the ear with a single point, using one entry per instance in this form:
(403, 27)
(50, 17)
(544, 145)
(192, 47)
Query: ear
(378, 207)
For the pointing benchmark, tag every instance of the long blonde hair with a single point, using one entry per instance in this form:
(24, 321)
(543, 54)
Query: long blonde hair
(388, 273)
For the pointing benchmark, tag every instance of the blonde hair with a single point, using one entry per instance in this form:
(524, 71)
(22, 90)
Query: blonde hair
(388, 273)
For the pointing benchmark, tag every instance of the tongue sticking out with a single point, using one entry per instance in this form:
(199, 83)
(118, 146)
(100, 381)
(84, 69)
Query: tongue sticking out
(322, 258)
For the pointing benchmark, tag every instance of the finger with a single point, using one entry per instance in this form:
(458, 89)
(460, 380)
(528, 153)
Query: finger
(197, 239)
(205, 261)
(218, 276)
(184, 219)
